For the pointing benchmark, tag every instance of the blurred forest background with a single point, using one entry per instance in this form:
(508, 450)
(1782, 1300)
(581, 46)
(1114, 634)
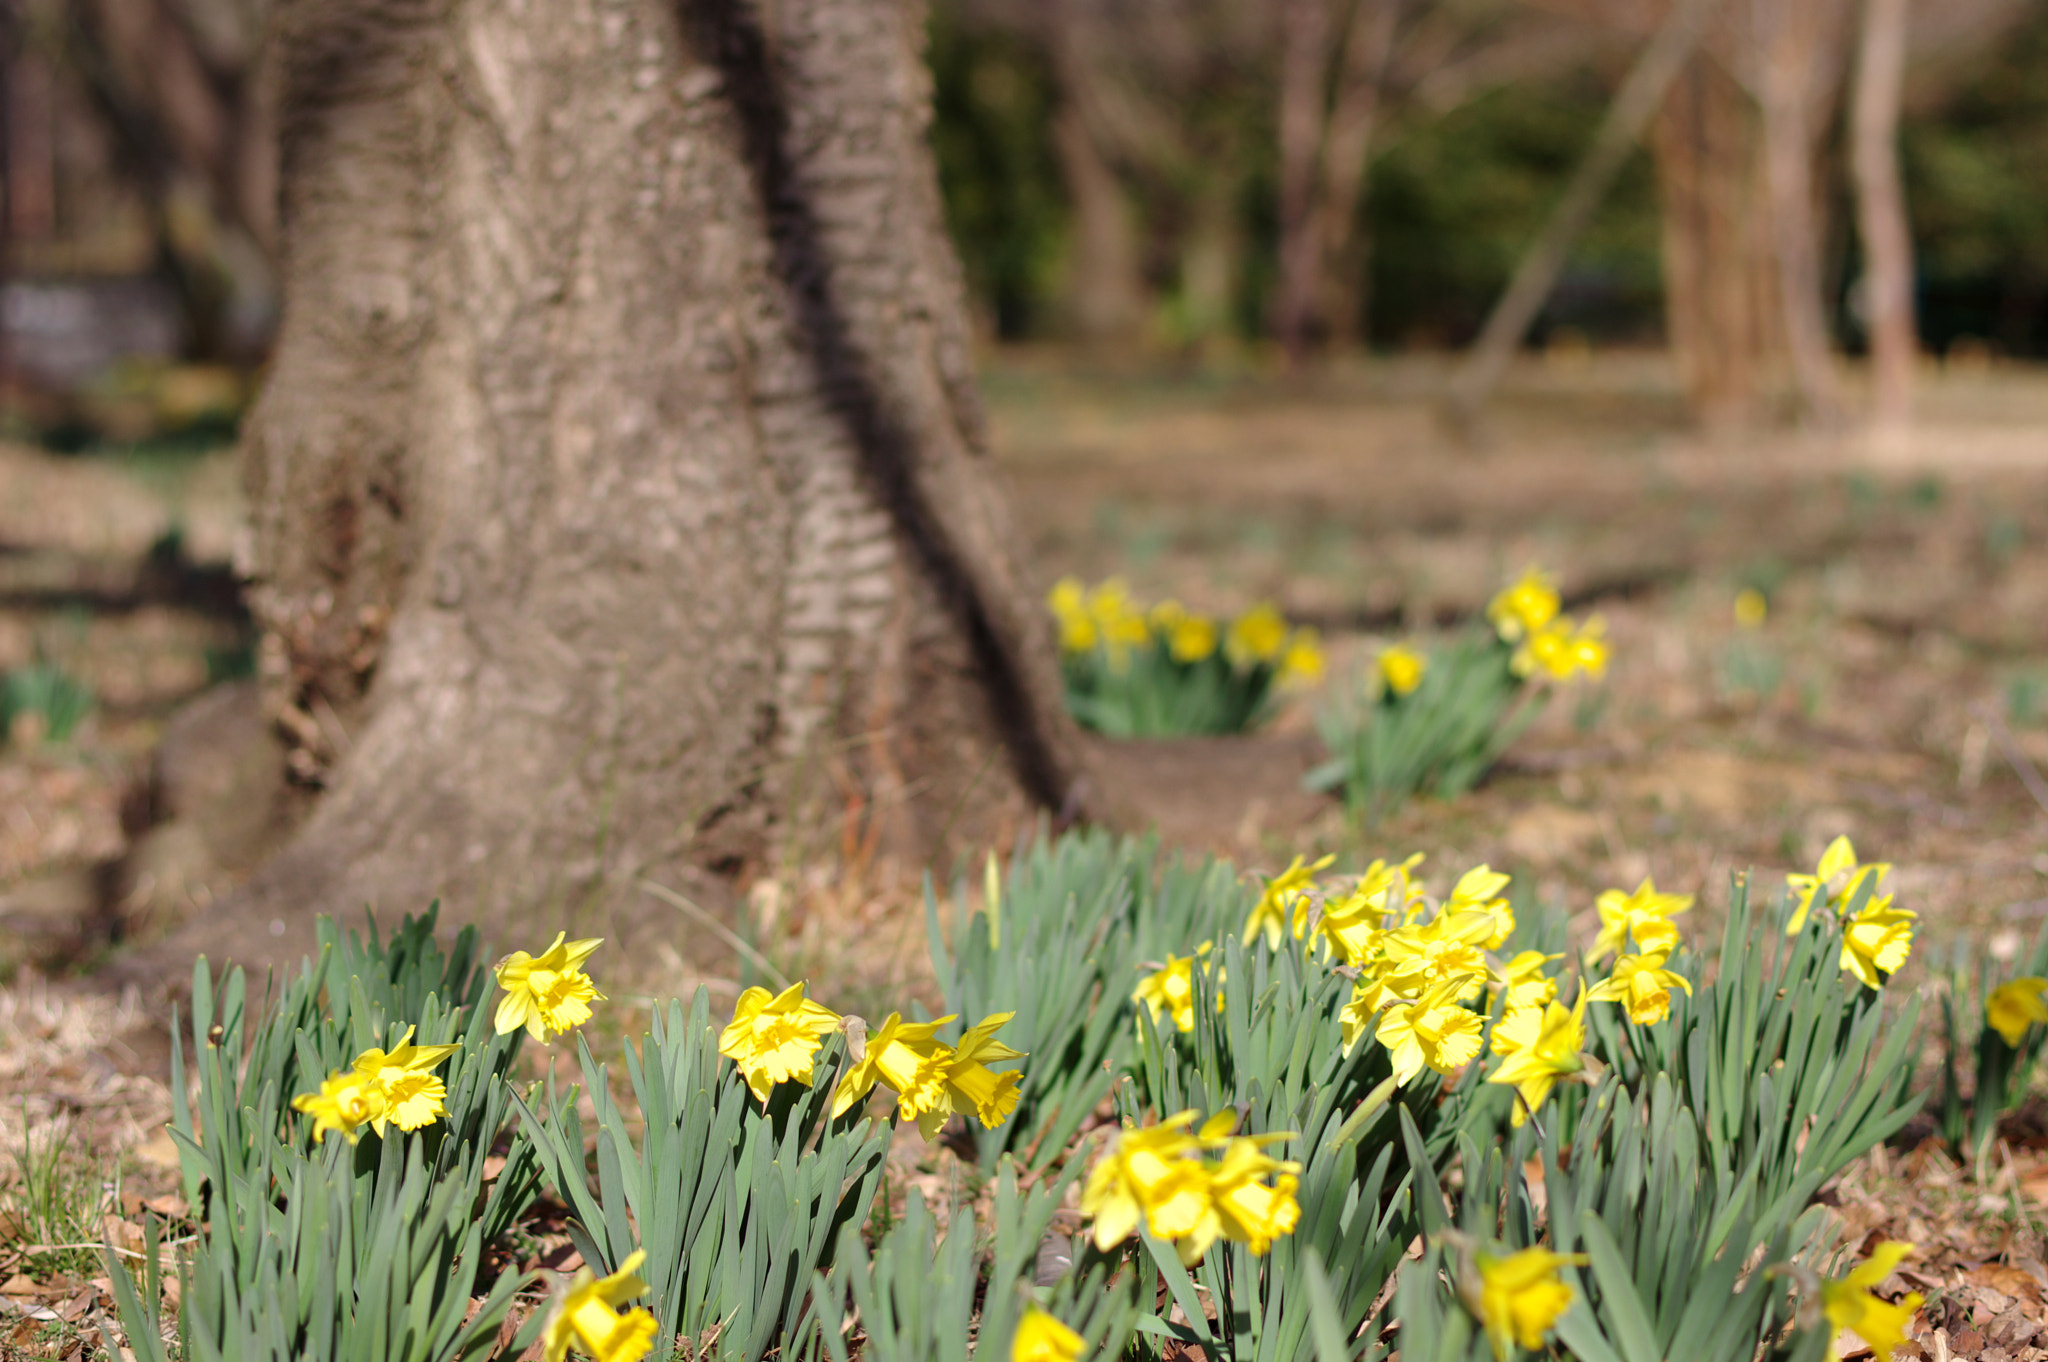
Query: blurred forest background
(1198, 179)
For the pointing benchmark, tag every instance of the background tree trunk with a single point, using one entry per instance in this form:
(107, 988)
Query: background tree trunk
(1303, 124)
(620, 485)
(1718, 316)
(1881, 214)
(1799, 66)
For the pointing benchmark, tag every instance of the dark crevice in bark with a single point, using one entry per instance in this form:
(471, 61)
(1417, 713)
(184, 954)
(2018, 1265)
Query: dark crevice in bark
(730, 34)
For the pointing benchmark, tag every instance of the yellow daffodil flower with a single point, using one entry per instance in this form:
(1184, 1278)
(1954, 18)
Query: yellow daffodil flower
(348, 1100)
(1541, 1053)
(1562, 649)
(1644, 915)
(1525, 982)
(970, 1085)
(1521, 1296)
(1258, 635)
(2014, 1006)
(1838, 860)
(1302, 664)
(1252, 1212)
(1354, 925)
(588, 1317)
(1192, 639)
(1877, 940)
(1432, 1030)
(548, 993)
(1171, 988)
(1069, 602)
(413, 1097)
(1401, 669)
(1751, 608)
(1524, 608)
(910, 1058)
(1642, 985)
(1286, 890)
(1851, 1303)
(1516, 1029)
(1478, 891)
(1444, 949)
(1042, 1338)
(1151, 1172)
(775, 1038)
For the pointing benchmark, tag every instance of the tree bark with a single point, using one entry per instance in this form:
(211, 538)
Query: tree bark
(1347, 153)
(1105, 289)
(1303, 126)
(621, 493)
(1797, 72)
(1881, 214)
(1719, 316)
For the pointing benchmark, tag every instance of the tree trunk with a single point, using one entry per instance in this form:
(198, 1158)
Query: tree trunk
(1796, 75)
(1715, 321)
(1105, 291)
(620, 488)
(1347, 154)
(1303, 124)
(1881, 215)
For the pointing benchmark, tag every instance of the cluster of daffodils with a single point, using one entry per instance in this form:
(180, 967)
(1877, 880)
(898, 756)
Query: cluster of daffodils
(1164, 1176)
(1137, 670)
(774, 1038)
(1876, 937)
(1529, 627)
(1427, 973)
(1528, 617)
(545, 994)
(1106, 618)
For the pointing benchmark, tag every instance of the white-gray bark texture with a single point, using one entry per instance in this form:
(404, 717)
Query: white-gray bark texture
(621, 493)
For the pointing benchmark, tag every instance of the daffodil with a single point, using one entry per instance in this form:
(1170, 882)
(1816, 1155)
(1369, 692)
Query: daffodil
(1444, 949)
(1258, 635)
(1562, 649)
(1541, 1054)
(588, 1317)
(1401, 669)
(970, 1085)
(1644, 915)
(1251, 1211)
(1287, 890)
(775, 1038)
(413, 1097)
(1838, 860)
(1302, 663)
(1042, 1338)
(1069, 602)
(347, 1101)
(1192, 639)
(1170, 989)
(1876, 941)
(2014, 1006)
(1432, 1030)
(1478, 891)
(1524, 981)
(1851, 1303)
(1642, 985)
(909, 1057)
(1355, 924)
(548, 993)
(1525, 607)
(1751, 608)
(1153, 1173)
(1521, 1296)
